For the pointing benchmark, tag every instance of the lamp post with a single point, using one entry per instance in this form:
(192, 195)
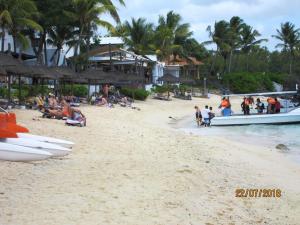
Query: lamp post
(204, 87)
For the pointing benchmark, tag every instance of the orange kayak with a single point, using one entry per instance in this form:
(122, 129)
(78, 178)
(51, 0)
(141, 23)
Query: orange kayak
(11, 125)
(7, 134)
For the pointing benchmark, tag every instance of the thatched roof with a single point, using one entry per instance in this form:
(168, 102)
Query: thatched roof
(168, 78)
(2, 71)
(186, 80)
(8, 60)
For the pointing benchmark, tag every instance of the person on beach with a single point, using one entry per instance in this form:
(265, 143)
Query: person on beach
(52, 102)
(259, 106)
(66, 111)
(211, 114)
(198, 116)
(246, 106)
(102, 101)
(205, 115)
(277, 106)
(225, 107)
(271, 105)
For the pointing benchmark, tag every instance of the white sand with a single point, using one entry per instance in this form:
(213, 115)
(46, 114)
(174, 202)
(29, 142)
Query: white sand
(131, 167)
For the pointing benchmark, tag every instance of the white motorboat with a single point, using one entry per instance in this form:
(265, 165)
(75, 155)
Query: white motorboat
(288, 117)
(46, 139)
(17, 153)
(55, 150)
(291, 117)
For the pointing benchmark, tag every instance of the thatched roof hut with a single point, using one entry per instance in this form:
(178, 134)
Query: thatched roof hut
(169, 78)
(186, 80)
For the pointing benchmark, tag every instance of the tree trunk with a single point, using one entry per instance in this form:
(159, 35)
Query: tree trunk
(54, 54)
(14, 41)
(40, 49)
(45, 51)
(230, 61)
(58, 57)
(212, 69)
(2, 38)
(291, 63)
(78, 42)
(247, 62)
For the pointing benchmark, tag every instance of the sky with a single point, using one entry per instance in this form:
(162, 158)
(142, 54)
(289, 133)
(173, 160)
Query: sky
(264, 15)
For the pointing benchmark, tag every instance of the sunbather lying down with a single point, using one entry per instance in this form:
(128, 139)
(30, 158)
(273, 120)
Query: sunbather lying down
(65, 112)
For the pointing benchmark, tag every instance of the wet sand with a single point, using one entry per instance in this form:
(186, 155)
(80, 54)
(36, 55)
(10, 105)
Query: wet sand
(132, 167)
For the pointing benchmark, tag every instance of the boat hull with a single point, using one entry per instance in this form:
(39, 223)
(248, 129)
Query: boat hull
(17, 153)
(292, 117)
(56, 141)
(55, 150)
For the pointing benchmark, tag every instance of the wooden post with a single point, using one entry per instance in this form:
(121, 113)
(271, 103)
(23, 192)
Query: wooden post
(204, 87)
(19, 83)
(110, 57)
(43, 88)
(89, 84)
(9, 89)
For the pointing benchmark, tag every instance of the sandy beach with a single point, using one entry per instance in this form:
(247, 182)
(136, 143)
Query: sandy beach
(134, 168)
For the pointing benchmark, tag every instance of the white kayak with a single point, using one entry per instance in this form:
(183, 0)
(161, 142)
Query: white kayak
(17, 153)
(55, 150)
(46, 139)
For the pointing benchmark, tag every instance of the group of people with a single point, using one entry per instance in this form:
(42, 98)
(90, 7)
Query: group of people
(273, 105)
(204, 116)
(59, 108)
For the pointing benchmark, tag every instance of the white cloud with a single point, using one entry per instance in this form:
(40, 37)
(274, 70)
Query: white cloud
(263, 15)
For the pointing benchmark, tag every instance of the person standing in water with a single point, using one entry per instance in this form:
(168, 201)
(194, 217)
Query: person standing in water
(259, 106)
(205, 115)
(198, 116)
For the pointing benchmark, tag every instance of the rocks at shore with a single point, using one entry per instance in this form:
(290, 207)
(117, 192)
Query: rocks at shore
(282, 147)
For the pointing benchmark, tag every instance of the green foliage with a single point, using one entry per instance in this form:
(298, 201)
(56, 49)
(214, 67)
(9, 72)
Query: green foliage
(135, 93)
(77, 90)
(248, 82)
(161, 89)
(277, 77)
(3, 92)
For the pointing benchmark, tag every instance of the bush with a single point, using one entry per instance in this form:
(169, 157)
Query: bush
(3, 92)
(77, 90)
(135, 93)
(161, 89)
(248, 82)
(277, 77)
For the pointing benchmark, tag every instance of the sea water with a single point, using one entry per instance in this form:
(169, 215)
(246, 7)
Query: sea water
(268, 136)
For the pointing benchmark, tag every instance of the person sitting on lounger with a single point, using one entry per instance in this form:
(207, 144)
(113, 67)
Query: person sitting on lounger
(102, 102)
(52, 102)
(65, 112)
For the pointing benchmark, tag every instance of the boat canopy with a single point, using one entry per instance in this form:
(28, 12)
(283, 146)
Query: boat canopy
(264, 94)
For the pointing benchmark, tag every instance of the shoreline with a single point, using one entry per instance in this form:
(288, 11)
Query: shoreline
(129, 164)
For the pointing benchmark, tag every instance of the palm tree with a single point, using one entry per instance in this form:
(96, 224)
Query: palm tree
(248, 41)
(138, 35)
(16, 16)
(5, 21)
(220, 35)
(235, 26)
(87, 13)
(59, 36)
(170, 35)
(290, 38)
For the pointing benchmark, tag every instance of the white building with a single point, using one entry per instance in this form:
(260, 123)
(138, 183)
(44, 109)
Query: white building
(51, 58)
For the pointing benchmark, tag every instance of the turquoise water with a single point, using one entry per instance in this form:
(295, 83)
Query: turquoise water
(262, 135)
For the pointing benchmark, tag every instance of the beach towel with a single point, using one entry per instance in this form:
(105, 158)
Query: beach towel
(77, 120)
